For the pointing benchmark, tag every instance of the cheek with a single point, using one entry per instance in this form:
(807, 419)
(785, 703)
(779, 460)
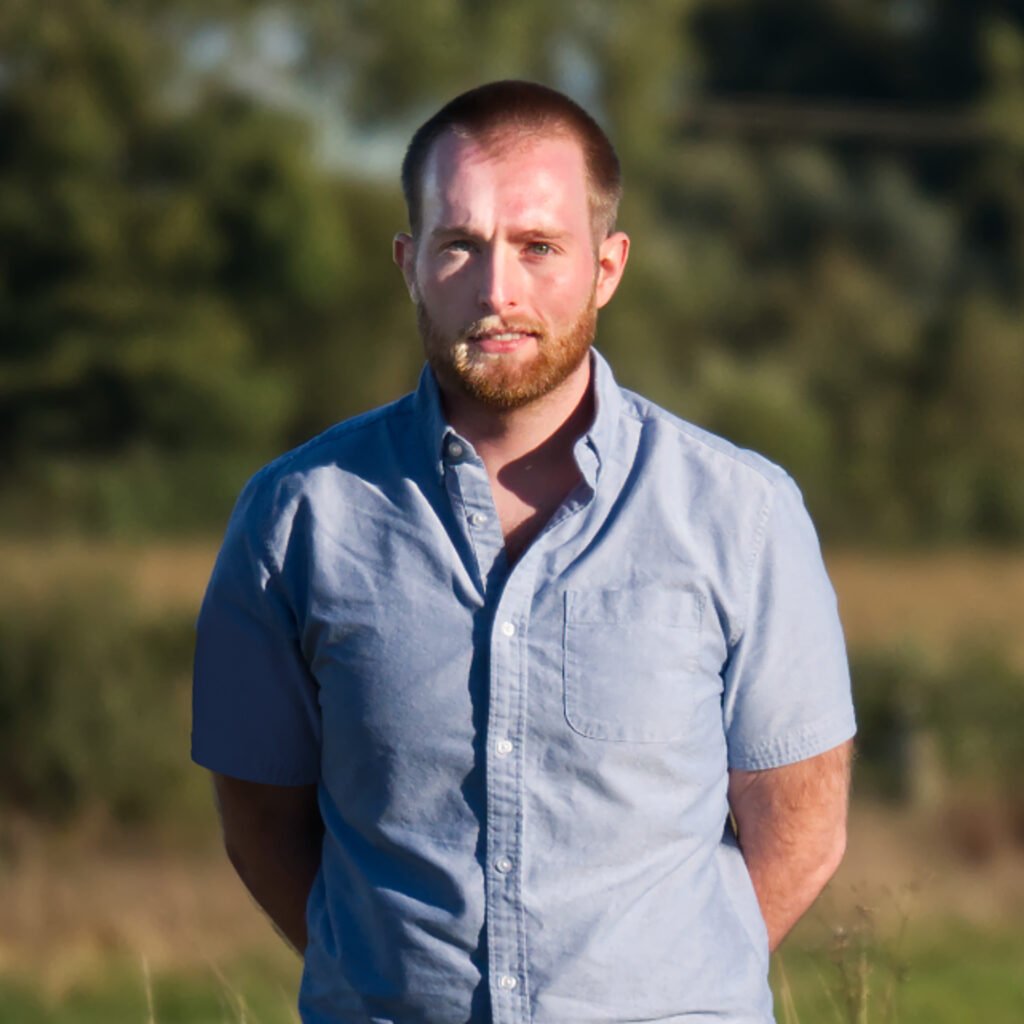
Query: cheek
(440, 285)
(448, 301)
(569, 290)
(448, 278)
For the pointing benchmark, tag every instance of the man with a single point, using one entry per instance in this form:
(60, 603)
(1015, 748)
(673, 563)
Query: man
(482, 673)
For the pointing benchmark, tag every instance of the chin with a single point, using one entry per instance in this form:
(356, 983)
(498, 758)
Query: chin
(504, 381)
(505, 387)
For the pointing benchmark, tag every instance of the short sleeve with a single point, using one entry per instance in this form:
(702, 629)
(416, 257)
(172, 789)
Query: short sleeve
(787, 683)
(255, 707)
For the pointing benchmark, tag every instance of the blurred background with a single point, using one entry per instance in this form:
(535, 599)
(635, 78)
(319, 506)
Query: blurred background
(826, 201)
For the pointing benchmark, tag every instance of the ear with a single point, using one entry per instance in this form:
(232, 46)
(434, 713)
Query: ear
(612, 254)
(403, 251)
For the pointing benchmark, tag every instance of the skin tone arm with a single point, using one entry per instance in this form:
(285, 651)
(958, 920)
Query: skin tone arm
(791, 824)
(273, 835)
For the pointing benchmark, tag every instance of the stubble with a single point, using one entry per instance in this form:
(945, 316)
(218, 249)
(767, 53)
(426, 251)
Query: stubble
(495, 380)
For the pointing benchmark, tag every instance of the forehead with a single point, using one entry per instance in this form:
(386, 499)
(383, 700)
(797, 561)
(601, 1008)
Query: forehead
(511, 174)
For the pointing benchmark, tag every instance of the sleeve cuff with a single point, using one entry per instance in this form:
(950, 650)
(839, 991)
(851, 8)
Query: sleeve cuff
(803, 743)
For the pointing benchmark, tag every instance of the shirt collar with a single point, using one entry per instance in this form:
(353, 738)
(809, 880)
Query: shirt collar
(595, 447)
(590, 450)
(436, 431)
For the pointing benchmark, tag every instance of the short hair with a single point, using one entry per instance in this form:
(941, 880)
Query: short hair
(527, 108)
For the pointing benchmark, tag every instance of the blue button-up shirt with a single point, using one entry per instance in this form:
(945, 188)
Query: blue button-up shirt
(522, 770)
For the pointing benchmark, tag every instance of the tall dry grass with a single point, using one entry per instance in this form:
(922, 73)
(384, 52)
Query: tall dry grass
(940, 599)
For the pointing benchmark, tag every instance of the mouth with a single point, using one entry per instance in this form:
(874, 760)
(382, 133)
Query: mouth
(501, 341)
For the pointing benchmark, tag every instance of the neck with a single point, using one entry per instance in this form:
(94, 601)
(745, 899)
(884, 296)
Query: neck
(542, 431)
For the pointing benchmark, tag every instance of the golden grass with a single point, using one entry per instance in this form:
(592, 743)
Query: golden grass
(936, 601)
(163, 574)
(71, 903)
(933, 600)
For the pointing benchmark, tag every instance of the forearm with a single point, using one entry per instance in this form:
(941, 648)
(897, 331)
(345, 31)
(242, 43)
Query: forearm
(279, 877)
(273, 836)
(792, 832)
(789, 877)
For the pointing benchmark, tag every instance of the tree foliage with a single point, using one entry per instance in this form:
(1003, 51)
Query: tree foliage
(187, 283)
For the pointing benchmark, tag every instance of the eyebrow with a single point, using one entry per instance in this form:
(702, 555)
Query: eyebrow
(451, 229)
(464, 231)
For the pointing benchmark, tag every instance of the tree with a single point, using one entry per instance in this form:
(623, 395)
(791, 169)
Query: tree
(159, 234)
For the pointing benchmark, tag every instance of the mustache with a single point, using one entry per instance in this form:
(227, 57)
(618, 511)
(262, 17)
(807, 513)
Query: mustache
(489, 326)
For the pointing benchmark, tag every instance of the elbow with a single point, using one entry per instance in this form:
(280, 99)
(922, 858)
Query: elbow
(234, 851)
(832, 855)
(247, 866)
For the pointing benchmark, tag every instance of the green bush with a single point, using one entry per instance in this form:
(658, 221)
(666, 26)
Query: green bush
(142, 494)
(94, 710)
(93, 706)
(969, 707)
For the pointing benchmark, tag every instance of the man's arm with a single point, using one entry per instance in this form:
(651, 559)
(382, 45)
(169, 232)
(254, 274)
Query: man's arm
(792, 831)
(273, 836)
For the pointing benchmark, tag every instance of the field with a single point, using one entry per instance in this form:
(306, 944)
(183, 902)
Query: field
(101, 923)
(935, 600)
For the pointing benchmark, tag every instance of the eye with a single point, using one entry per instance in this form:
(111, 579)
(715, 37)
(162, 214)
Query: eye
(459, 245)
(540, 248)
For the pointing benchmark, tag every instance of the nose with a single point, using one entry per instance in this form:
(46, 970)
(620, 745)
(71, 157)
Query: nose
(499, 281)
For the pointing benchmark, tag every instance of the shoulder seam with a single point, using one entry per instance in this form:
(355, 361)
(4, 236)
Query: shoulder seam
(641, 411)
(268, 481)
(760, 533)
(350, 426)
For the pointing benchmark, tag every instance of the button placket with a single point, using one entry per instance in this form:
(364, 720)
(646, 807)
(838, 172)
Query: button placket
(470, 496)
(506, 794)
(504, 810)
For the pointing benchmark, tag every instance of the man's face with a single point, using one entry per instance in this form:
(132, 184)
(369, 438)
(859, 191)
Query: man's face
(506, 274)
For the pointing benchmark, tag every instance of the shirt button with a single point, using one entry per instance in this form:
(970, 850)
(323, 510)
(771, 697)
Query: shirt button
(507, 981)
(455, 450)
(503, 864)
(508, 628)
(503, 748)
(478, 519)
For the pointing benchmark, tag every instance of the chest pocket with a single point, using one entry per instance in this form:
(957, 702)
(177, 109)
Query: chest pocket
(630, 662)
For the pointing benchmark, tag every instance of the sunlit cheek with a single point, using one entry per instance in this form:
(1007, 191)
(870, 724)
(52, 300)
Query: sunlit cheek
(567, 289)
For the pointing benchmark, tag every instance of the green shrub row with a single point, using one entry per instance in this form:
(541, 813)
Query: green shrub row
(95, 711)
(94, 706)
(957, 718)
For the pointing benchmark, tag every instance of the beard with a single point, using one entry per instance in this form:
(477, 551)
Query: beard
(495, 380)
